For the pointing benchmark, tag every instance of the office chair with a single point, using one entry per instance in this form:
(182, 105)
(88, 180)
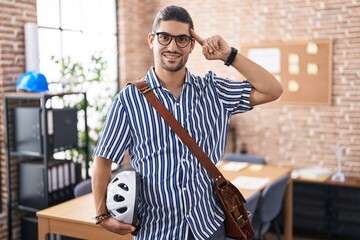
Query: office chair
(269, 207)
(82, 188)
(250, 205)
(239, 157)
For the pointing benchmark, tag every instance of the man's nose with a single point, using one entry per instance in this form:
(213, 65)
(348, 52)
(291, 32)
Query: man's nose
(172, 45)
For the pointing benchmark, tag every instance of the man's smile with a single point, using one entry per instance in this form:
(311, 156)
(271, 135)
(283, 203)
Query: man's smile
(172, 56)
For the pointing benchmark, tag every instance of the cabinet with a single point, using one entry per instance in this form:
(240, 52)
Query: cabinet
(329, 209)
(38, 126)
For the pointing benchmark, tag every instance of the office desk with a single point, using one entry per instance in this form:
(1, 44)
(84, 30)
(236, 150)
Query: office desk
(273, 173)
(327, 208)
(74, 218)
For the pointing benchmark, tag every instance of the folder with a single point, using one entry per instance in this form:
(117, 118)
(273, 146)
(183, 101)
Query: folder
(60, 169)
(49, 180)
(54, 178)
(67, 174)
(73, 173)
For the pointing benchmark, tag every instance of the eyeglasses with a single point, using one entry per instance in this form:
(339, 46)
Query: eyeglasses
(165, 39)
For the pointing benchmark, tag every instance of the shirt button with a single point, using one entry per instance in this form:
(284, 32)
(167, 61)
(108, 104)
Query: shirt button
(184, 189)
(177, 104)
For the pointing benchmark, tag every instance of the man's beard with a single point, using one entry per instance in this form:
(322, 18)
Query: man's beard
(175, 68)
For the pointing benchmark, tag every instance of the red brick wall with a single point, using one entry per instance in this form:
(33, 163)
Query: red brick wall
(134, 26)
(13, 15)
(291, 135)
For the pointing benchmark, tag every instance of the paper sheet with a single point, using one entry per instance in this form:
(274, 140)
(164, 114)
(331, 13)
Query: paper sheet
(234, 166)
(248, 182)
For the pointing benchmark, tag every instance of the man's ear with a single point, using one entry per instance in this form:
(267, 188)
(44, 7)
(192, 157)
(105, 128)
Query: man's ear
(150, 40)
(192, 45)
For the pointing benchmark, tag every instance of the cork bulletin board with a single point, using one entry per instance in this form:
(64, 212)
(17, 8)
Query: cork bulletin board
(303, 68)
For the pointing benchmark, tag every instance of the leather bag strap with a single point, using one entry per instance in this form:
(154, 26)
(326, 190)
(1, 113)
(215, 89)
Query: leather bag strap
(144, 88)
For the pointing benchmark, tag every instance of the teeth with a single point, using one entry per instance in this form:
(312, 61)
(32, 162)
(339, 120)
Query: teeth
(171, 56)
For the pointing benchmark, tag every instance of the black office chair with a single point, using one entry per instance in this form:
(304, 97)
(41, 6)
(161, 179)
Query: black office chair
(269, 207)
(239, 157)
(82, 188)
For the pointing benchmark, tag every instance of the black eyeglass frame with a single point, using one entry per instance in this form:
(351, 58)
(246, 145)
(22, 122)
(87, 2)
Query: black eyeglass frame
(173, 37)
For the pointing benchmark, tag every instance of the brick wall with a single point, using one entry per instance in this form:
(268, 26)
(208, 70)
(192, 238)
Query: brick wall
(291, 135)
(13, 15)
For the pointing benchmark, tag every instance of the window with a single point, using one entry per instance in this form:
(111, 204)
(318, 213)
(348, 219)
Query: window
(78, 30)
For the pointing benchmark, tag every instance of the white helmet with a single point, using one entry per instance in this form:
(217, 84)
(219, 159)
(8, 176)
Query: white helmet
(122, 196)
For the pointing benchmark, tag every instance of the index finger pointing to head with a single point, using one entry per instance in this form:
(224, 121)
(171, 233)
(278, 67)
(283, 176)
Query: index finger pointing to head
(196, 37)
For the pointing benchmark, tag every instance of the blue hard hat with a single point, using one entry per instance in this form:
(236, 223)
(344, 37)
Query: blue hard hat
(32, 81)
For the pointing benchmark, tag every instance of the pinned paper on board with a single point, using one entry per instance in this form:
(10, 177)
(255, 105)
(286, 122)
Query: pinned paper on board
(293, 58)
(304, 67)
(268, 58)
(294, 69)
(312, 68)
(293, 86)
(312, 48)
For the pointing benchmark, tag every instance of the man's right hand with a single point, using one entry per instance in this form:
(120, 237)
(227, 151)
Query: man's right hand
(116, 226)
(213, 48)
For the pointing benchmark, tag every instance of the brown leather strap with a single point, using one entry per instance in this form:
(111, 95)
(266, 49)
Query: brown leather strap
(144, 88)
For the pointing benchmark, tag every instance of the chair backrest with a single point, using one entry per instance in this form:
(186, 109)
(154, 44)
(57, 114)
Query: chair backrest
(82, 188)
(269, 206)
(239, 157)
(271, 199)
(251, 204)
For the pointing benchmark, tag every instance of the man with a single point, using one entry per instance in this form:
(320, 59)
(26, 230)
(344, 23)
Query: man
(176, 198)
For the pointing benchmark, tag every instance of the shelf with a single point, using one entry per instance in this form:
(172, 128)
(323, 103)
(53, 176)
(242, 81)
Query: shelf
(25, 154)
(36, 131)
(28, 95)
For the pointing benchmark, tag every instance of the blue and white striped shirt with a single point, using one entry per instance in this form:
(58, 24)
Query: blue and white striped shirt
(177, 193)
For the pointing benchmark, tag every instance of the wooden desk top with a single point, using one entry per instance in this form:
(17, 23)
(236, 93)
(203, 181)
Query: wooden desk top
(74, 218)
(81, 210)
(349, 182)
(256, 170)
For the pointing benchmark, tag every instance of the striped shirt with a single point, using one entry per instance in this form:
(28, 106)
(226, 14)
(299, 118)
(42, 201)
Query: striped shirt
(176, 193)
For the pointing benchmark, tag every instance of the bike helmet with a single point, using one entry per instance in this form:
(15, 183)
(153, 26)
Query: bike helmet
(122, 196)
(32, 81)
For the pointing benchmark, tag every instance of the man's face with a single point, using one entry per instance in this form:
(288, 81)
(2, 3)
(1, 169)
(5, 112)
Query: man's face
(171, 57)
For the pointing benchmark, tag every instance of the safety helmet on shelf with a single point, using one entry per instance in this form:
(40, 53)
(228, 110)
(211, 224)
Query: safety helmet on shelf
(122, 196)
(32, 81)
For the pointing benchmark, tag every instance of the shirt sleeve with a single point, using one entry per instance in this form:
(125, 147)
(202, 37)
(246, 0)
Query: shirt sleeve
(115, 135)
(235, 95)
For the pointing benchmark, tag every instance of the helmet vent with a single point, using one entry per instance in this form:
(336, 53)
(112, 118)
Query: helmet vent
(118, 198)
(115, 179)
(122, 210)
(124, 186)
